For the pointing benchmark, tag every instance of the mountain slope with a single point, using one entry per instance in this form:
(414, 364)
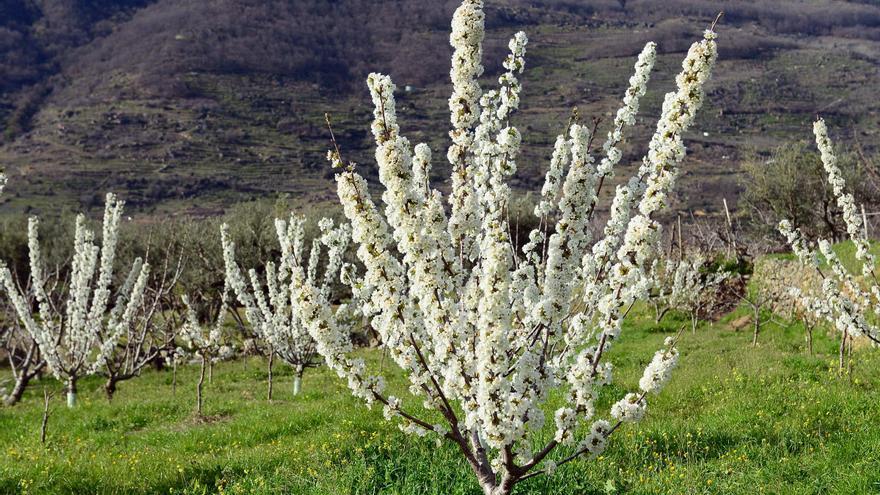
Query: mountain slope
(184, 105)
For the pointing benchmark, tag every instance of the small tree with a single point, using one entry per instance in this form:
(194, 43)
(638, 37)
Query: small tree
(270, 311)
(685, 284)
(810, 311)
(23, 356)
(173, 357)
(207, 341)
(767, 292)
(791, 289)
(73, 330)
(845, 303)
(485, 331)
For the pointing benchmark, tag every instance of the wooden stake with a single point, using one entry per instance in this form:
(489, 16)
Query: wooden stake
(269, 392)
(732, 242)
(680, 243)
(46, 411)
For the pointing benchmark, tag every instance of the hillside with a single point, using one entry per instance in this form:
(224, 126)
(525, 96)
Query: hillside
(183, 105)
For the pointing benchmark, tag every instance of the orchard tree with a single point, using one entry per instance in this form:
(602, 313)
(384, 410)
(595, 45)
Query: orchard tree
(23, 357)
(270, 310)
(74, 327)
(684, 284)
(205, 338)
(845, 303)
(485, 331)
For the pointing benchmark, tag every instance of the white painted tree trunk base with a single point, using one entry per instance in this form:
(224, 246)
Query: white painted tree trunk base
(297, 385)
(71, 399)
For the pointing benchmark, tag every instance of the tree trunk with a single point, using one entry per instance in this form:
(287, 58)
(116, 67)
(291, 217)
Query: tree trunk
(21, 383)
(174, 377)
(110, 388)
(297, 380)
(659, 314)
(269, 391)
(71, 392)
(842, 351)
(757, 317)
(491, 486)
(505, 488)
(45, 423)
(199, 385)
(849, 359)
(809, 329)
(24, 375)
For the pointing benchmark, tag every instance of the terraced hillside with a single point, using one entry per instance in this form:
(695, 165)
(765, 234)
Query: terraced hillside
(189, 106)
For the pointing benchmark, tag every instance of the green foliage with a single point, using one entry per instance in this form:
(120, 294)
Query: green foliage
(791, 184)
(734, 266)
(734, 420)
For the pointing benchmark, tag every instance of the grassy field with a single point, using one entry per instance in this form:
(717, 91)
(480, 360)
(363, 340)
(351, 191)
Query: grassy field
(735, 419)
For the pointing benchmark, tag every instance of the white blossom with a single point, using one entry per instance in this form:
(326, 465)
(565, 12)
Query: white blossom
(76, 329)
(630, 409)
(270, 308)
(482, 333)
(845, 304)
(659, 370)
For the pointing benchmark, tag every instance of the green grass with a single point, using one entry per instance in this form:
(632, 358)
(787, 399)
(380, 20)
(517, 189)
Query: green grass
(733, 420)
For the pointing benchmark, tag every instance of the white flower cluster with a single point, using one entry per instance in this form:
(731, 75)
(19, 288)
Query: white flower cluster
(845, 303)
(208, 341)
(845, 200)
(633, 406)
(626, 115)
(630, 409)
(73, 330)
(173, 357)
(464, 104)
(659, 370)
(483, 333)
(271, 311)
(616, 272)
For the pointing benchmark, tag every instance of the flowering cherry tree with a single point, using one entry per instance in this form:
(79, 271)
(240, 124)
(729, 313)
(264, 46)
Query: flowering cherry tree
(485, 331)
(683, 285)
(845, 303)
(271, 311)
(75, 329)
(206, 339)
(786, 287)
(23, 357)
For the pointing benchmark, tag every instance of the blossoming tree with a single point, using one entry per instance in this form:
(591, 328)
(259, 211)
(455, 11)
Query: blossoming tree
(205, 338)
(75, 329)
(684, 285)
(270, 311)
(23, 358)
(485, 331)
(845, 303)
